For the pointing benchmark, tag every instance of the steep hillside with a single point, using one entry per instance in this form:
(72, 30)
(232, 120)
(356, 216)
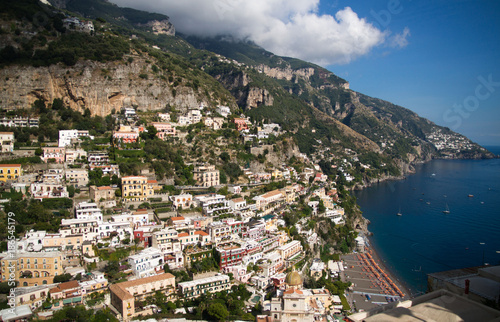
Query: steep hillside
(133, 58)
(397, 131)
(101, 71)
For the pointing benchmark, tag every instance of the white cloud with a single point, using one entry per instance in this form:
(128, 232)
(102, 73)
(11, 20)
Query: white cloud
(284, 27)
(400, 40)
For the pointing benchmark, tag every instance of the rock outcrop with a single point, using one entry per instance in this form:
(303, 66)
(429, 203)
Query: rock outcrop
(286, 73)
(163, 27)
(100, 87)
(257, 97)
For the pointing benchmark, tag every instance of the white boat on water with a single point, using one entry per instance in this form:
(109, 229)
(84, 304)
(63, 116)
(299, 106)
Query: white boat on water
(447, 210)
(399, 212)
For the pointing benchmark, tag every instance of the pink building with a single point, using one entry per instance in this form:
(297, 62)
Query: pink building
(126, 137)
(54, 153)
(164, 129)
(241, 124)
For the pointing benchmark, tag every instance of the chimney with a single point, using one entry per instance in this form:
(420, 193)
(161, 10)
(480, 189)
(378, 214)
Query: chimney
(467, 285)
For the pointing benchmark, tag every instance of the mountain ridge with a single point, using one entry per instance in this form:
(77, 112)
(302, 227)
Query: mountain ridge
(153, 71)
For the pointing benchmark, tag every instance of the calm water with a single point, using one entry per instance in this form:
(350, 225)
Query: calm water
(424, 239)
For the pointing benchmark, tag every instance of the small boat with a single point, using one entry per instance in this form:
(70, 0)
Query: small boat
(447, 210)
(399, 212)
(428, 202)
(470, 196)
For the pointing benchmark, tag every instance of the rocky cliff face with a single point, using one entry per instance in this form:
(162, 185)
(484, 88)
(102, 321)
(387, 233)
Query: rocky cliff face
(163, 27)
(258, 96)
(286, 73)
(100, 87)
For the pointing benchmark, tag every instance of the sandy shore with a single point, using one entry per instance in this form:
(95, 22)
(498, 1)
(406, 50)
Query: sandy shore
(373, 283)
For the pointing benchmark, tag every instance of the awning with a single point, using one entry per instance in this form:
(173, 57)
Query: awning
(77, 299)
(67, 301)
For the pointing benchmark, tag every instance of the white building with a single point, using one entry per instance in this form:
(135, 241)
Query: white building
(273, 264)
(224, 111)
(147, 263)
(124, 229)
(289, 250)
(213, 203)
(6, 142)
(66, 136)
(88, 210)
(136, 218)
(48, 190)
(184, 200)
(167, 241)
(73, 155)
(164, 117)
(237, 204)
(194, 116)
(193, 289)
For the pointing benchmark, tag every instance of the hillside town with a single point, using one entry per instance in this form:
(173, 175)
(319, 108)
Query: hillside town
(121, 241)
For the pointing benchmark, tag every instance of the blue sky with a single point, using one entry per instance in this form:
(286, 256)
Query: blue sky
(453, 48)
(438, 58)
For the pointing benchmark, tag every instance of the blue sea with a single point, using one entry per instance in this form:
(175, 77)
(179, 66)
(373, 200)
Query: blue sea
(424, 239)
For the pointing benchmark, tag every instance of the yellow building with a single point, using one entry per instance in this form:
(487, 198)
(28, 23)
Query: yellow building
(124, 295)
(277, 174)
(136, 188)
(10, 172)
(32, 268)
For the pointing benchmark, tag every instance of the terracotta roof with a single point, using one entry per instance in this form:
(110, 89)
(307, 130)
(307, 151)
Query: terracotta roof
(182, 235)
(6, 132)
(291, 291)
(271, 194)
(177, 218)
(152, 181)
(65, 286)
(104, 188)
(145, 280)
(238, 200)
(120, 292)
(9, 165)
(201, 232)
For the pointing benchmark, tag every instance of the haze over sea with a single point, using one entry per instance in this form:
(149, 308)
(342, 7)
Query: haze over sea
(424, 239)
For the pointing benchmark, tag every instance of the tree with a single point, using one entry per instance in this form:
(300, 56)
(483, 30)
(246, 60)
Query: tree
(171, 306)
(151, 132)
(62, 278)
(218, 311)
(71, 191)
(224, 156)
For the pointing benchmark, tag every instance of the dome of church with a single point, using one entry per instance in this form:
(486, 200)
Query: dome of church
(293, 279)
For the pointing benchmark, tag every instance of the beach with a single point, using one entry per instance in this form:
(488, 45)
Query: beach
(372, 283)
